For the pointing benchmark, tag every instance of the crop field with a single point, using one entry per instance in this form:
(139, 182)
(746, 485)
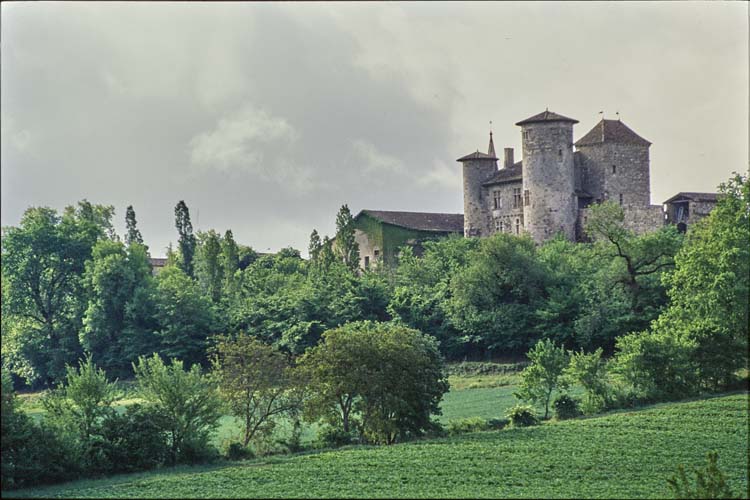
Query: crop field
(627, 454)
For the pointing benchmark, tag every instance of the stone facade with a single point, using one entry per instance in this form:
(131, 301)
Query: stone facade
(548, 192)
(684, 209)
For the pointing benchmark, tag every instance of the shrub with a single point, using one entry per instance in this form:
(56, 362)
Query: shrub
(544, 375)
(334, 437)
(497, 424)
(710, 482)
(238, 451)
(566, 407)
(135, 440)
(465, 425)
(188, 403)
(522, 416)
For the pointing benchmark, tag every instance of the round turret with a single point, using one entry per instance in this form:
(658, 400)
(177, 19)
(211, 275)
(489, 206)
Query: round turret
(477, 168)
(549, 203)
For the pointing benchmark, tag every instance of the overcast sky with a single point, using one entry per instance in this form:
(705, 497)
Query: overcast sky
(265, 118)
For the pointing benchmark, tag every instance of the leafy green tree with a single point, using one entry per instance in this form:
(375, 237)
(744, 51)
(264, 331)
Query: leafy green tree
(43, 265)
(208, 265)
(709, 482)
(346, 248)
(590, 371)
(133, 235)
(186, 400)
(384, 379)
(184, 315)
(315, 245)
(495, 297)
(326, 255)
(255, 380)
(83, 400)
(113, 276)
(230, 259)
(544, 374)
(709, 289)
(187, 241)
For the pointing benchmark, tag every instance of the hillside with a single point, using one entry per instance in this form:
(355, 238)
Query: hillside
(623, 454)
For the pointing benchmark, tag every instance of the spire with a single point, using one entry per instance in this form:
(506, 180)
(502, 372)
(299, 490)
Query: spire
(491, 150)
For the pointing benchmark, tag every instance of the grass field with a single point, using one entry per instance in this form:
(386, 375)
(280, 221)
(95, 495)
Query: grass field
(621, 455)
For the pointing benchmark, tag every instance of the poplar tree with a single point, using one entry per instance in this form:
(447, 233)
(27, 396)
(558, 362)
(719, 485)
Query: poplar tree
(347, 249)
(315, 246)
(187, 241)
(133, 235)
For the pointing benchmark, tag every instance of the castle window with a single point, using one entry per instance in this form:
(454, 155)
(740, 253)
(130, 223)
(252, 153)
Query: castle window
(559, 154)
(526, 198)
(498, 201)
(498, 225)
(376, 253)
(527, 134)
(620, 198)
(614, 169)
(367, 262)
(518, 226)
(516, 197)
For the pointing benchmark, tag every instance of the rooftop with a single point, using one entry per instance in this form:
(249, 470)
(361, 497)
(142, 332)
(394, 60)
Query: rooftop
(611, 131)
(546, 116)
(506, 175)
(478, 156)
(712, 197)
(420, 221)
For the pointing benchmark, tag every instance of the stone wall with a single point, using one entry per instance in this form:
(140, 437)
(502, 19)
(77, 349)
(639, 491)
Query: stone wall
(610, 170)
(642, 220)
(476, 217)
(505, 214)
(549, 177)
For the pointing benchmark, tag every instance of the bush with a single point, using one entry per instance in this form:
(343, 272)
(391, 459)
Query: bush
(335, 437)
(238, 451)
(566, 407)
(465, 425)
(135, 440)
(497, 424)
(522, 416)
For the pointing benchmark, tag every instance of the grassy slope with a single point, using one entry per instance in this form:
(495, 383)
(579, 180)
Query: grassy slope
(626, 454)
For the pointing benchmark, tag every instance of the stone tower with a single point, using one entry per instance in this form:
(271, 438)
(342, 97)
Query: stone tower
(615, 164)
(549, 202)
(477, 168)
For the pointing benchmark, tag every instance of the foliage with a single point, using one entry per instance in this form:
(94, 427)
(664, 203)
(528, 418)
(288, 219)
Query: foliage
(315, 246)
(238, 451)
(186, 400)
(187, 241)
(43, 264)
(590, 372)
(346, 248)
(384, 379)
(117, 277)
(132, 235)
(184, 315)
(208, 265)
(566, 407)
(135, 440)
(335, 437)
(495, 296)
(710, 482)
(230, 260)
(255, 380)
(522, 416)
(626, 456)
(544, 374)
(465, 425)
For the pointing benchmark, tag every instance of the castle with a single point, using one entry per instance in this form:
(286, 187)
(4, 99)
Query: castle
(549, 191)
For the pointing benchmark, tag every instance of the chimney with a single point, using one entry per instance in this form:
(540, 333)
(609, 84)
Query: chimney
(508, 158)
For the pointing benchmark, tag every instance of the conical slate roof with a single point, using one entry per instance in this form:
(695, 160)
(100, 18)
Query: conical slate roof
(477, 156)
(611, 131)
(547, 116)
(491, 149)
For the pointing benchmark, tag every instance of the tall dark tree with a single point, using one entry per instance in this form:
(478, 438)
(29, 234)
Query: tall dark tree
(347, 249)
(208, 268)
(230, 258)
(133, 234)
(187, 241)
(315, 246)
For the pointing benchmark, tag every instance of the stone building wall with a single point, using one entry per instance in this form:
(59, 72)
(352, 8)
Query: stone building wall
(609, 170)
(476, 217)
(507, 214)
(642, 220)
(549, 178)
